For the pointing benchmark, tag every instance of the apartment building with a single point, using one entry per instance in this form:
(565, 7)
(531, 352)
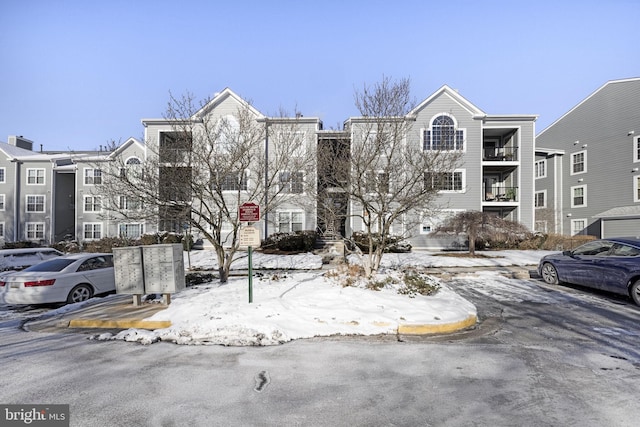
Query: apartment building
(587, 165)
(49, 196)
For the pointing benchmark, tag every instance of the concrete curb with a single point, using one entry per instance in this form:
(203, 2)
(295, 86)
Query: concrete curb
(444, 328)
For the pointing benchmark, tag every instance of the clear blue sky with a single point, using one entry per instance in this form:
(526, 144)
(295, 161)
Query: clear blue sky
(77, 74)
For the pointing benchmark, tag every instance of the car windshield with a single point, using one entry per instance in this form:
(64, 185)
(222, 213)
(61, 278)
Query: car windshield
(56, 264)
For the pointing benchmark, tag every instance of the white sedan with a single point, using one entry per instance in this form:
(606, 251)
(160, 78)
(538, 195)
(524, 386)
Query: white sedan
(69, 278)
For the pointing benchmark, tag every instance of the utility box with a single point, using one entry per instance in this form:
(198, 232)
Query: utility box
(163, 268)
(129, 275)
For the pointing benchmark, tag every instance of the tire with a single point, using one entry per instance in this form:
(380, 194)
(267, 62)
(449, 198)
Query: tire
(634, 292)
(79, 294)
(550, 274)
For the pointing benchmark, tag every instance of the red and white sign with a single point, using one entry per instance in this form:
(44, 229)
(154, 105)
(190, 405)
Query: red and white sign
(249, 212)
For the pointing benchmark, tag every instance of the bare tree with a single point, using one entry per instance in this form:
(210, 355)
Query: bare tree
(199, 171)
(484, 226)
(386, 174)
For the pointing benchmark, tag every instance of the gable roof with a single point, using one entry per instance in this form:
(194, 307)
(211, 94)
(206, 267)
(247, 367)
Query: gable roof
(453, 94)
(222, 96)
(601, 88)
(124, 145)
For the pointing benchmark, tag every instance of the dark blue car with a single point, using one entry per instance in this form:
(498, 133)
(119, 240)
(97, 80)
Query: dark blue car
(611, 265)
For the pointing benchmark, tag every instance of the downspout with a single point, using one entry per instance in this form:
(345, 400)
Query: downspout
(16, 202)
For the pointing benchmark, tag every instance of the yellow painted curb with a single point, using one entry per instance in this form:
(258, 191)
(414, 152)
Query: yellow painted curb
(120, 324)
(437, 329)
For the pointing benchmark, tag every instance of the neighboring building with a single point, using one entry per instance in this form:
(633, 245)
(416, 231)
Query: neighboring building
(58, 194)
(587, 165)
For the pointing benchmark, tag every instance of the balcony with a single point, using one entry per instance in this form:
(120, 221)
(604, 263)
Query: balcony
(502, 195)
(500, 154)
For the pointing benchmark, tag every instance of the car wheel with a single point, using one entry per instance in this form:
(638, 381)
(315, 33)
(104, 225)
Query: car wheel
(635, 292)
(550, 274)
(80, 293)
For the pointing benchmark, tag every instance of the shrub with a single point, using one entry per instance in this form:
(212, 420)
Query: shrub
(295, 242)
(394, 244)
(554, 242)
(20, 245)
(416, 283)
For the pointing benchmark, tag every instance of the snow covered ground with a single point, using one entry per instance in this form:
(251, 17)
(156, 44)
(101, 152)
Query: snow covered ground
(302, 302)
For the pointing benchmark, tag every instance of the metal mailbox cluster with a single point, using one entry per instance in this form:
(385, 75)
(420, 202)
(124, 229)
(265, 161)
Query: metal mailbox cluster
(154, 269)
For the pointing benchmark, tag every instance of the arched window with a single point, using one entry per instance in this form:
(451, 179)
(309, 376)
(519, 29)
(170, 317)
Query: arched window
(132, 168)
(443, 135)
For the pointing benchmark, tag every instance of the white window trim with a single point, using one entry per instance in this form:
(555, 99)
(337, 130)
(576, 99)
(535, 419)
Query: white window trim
(92, 224)
(544, 205)
(463, 179)
(141, 224)
(291, 212)
(44, 203)
(544, 163)
(572, 162)
(636, 187)
(93, 176)
(3, 202)
(44, 179)
(247, 178)
(636, 149)
(4, 175)
(35, 224)
(584, 196)
(304, 180)
(573, 221)
(84, 203)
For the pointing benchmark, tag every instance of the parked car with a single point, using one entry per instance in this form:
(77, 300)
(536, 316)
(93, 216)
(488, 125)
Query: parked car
(611, 265)
(17, 259)
(69, 278)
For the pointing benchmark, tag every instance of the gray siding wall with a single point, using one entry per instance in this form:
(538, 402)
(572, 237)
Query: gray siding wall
(599, 126)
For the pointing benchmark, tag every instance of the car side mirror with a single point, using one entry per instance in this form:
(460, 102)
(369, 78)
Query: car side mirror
(567, 253)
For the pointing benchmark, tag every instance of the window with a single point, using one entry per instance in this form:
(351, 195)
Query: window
(636, 149)
(578, 162)
(131, 231)
(92, 176)
(35, 203)
(290, 221)
(541, 168)
(444, 181)
(579, 196)
(578, 226)
(291, 182)
(92, 203)
(35, 230)
(1, 202)
(132, 169)
(624, 250)
(35, 176)
(540, 199)
(234, 182)
(636, 188)
(92, 231)
(377, 182)
(3, 178)
(443, 135)
(1, 230)
(129, 203)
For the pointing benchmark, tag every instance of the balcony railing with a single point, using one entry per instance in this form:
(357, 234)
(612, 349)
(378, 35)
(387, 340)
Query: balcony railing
(502, 194)
(502, 154)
